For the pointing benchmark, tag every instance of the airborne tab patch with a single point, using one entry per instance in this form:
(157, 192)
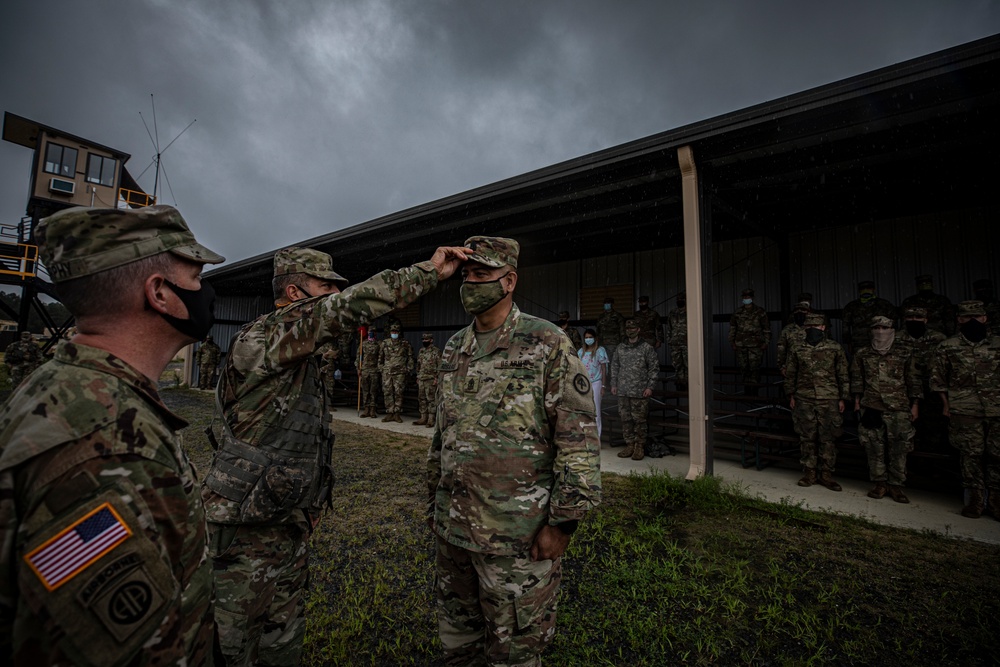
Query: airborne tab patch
(77, 546)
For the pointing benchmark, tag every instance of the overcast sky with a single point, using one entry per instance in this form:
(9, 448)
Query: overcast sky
(317, 115)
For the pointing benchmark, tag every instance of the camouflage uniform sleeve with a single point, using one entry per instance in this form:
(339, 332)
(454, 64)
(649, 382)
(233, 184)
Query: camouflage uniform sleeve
(306, 325)
(569, 406)
(791, 373)
(765, 327)
(840, 369)
(652, 367)
(614, 368)
(658, 327)
(733, 324)
(912, 377)
(410, 365)
(857, 375)
(939, 369)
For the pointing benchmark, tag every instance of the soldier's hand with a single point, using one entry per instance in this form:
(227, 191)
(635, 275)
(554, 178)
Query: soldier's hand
(550, 543)
(791, 402)
(840, 405)
(448, 259)
(646, 393)
(914, 412)
(614, 391)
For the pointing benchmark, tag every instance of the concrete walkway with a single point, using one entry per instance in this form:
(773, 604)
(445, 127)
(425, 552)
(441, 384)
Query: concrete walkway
(927, 510)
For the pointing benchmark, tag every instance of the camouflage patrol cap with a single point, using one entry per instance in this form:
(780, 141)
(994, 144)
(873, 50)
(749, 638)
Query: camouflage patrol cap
(308, 261)
(916, 311)
(563, 314)
(805, 296)
(609, 299)
(747, 292)
(924, 279)
(644, 298)
(428, 336)
(493, 251)
(630, 323)
(814, 320)
(802, 306)
(866, 283)
(881, 321)
(395, 327)
(82, 241)
(971, 309)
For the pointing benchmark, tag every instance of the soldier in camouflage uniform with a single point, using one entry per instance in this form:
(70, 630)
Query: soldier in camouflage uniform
(885, 382)
(749, 336)
(650, 323)
(817, 384)
(395, 363)
(857, 316)
(271, 475)
(513, 466)
(610, 327)
(794, 333)
(633, 376)
(572, 332)
(329, 370)
(966, 372)
(983, 291)
(103, 558)
(207, 357)
(940, 310)
(428, 360)
(22, 357)
(677, 338)
(368, 377)
(931, 426)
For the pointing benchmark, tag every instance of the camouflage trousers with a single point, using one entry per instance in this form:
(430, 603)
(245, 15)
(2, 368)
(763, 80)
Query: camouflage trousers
(495, 610)
(393, 385)
(261, 573)
(634, 413)
(749, 360)
(679, 360)
(977, 440)
(369, 387)
(887, 447)
(205, 374)
(427, 395)
(818, 425)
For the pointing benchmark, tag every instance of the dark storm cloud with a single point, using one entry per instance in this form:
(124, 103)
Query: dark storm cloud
(312, 116)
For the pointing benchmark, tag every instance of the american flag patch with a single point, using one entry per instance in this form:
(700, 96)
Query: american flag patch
(73, 549)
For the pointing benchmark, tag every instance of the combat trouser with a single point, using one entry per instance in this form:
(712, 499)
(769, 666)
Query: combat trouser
(495, 610)
(977, 440)
(818, 424)
(887, 447)
(427, 396)
(369, 382)
(679, 360)
(634, 413)
(393, 385)
(749, 360)
(261, 574)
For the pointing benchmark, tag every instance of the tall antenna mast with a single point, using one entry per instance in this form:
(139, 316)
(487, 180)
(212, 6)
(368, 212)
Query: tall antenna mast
(154, 139)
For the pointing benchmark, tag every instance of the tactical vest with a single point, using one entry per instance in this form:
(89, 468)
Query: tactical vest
(289, 465)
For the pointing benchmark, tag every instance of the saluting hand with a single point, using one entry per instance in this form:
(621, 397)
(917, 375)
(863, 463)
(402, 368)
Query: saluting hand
(448, 259)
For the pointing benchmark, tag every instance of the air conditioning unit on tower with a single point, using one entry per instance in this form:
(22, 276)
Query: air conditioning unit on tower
(62, 186)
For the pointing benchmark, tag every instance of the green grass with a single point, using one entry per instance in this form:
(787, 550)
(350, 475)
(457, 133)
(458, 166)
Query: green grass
(664, 572)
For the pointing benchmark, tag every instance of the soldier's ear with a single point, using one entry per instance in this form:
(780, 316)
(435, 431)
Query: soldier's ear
(511, 277)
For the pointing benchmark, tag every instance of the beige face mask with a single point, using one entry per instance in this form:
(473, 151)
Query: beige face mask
(882, 339)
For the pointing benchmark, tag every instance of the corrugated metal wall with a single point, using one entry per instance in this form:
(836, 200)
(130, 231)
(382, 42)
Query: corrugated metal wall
(956, 249)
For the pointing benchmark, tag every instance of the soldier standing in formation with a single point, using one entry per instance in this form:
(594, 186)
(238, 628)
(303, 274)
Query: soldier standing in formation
(329, 370)
(22, 357)
(271, 476)
(793, 333)
(966, 372)
(817, 384)
(428, 360)
(931, 426)
(940, 311)
(677, 338)
(650, 323)
(395, 363)
(368, 377)
(610, 327)
(208, 356)
(885, 383)
(858, 314)
(572, 332)
(103, 530)
(513, 466)
(634, 370)
(983, 291)
(749, 336)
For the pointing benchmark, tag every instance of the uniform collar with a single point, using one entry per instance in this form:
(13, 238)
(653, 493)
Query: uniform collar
(499, 340)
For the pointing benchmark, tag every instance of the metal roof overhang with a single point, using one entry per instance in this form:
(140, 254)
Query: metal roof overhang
(917, 137)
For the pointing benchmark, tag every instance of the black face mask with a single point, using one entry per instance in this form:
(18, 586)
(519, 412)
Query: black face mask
(973, 330)
(200, 306)
(681, 303)
(427, 343)
(915, 328)
(813, 336)
(799, 318)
